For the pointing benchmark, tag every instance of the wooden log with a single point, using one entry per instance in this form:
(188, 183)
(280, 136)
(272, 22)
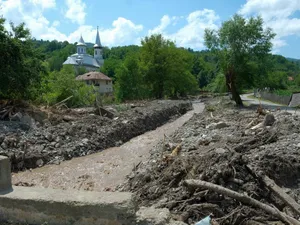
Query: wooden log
(242, 198)
(272, 186)
(63, 101)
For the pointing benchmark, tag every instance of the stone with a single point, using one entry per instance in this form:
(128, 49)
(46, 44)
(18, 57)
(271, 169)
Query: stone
(218, 125)
(221, 125)
(269, 120)
(49, 137)
(5, 174)
(153, 216)
(220, 150)
(39, 162)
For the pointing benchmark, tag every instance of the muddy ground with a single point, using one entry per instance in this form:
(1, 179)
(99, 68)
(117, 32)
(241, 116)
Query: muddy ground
(35, 138)
(219, 146)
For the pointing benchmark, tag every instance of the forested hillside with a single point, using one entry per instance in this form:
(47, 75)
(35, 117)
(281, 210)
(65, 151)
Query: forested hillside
(155, 69)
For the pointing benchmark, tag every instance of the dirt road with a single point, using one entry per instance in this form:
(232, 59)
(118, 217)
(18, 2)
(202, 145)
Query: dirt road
(104, 170)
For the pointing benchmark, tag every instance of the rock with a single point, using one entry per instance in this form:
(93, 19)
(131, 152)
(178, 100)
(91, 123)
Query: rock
(39, 162)
(39, 148)
(220, 150)
(153, 216)
(221, 125)
(28, 120)
(49, 137)
(269, 120)
(218, 125)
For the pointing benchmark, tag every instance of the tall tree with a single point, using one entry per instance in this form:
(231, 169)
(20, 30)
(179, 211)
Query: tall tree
(237, 44)
(20, 64)
(167, 68)
(129, 84)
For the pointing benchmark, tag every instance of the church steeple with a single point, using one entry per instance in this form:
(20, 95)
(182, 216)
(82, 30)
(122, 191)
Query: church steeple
(98, 49)
(81, 46)
(97, 42)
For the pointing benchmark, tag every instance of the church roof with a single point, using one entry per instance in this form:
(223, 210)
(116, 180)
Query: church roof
(71, 61)
(82, 59)
(81, 41)
(97, 42)
(93, 76)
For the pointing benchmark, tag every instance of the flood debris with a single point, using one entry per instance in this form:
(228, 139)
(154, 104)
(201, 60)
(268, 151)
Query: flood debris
(55, 134)
(236, 174)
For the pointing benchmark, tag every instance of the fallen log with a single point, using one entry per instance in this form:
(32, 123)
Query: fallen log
(63, 101)
(272, 186)
(243, 199)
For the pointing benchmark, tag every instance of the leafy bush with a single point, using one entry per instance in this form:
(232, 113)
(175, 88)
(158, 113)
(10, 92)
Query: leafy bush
(61, 85)
(218, 85)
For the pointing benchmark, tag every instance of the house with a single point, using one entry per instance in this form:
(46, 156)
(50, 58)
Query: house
(81, 58)
(97, 79)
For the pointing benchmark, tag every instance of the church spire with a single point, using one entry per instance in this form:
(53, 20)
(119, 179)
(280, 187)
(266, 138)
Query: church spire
(97, 42)
(98, 49)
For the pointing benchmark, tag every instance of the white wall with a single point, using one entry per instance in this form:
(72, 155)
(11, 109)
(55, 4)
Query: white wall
(106, 86)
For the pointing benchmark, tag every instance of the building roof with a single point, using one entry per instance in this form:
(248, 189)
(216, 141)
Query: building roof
(71, 61)
(82, 59)
(93, 76)
(97, 42)
(81, 42)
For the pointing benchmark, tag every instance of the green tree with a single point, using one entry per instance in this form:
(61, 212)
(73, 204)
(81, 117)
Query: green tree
(237, 43)
(167, 68)
(20, 64)
(110, 66)
(129, 84)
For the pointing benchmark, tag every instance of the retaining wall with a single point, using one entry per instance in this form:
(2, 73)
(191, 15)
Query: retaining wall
(31, 205)
(284, 100)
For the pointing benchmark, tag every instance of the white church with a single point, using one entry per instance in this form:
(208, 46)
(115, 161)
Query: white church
(81, 58)
(92, 64)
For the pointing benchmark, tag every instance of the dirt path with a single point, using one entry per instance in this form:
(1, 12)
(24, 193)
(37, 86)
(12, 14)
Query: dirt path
(104, 170)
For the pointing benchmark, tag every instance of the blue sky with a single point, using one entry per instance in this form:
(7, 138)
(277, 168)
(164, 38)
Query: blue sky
(124, 22)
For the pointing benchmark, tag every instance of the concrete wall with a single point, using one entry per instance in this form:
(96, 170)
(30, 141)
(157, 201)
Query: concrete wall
(56, 207)
(284, 100)
(295, 100)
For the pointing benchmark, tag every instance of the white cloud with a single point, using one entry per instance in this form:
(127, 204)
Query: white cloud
(123, 31)
(278, 15)
(76, 11)
(55, 23)
(44, 3)
(31, 12)
(192, 34)
(164, 23)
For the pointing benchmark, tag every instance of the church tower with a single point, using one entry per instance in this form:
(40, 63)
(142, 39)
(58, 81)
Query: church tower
(81, 46)
(98, 50)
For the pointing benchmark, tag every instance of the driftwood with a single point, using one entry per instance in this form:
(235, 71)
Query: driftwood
(62, 102)
(243, 199)
(288, 200)
(272, 186)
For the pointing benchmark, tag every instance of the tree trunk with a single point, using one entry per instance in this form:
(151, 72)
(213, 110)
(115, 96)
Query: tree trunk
(230, 83)
(235, 95)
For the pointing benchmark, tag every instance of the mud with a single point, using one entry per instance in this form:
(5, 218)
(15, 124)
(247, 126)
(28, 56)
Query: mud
(218, 146)
(62, 135)
(105, 170)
